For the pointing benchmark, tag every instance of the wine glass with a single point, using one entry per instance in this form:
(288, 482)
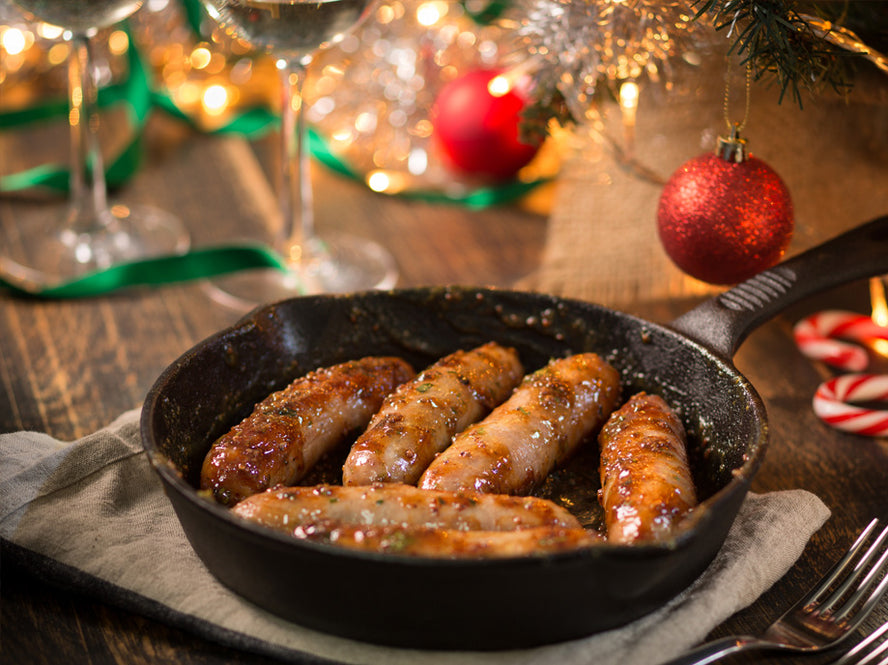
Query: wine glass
(292, 31)
(55, 246)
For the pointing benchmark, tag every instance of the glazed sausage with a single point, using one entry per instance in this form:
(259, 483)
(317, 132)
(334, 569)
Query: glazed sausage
(553, 410)
(384, 505)
(290, 429)
(646, 485)
(451, 544)
(419, 419)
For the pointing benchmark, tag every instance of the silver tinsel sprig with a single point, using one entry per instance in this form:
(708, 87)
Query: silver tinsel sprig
(575, 46)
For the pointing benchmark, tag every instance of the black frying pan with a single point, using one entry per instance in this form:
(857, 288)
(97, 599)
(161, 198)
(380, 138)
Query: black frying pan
(484, 604)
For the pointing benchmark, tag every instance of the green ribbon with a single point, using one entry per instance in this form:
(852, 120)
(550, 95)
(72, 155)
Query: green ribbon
(251, 124)
(480, 197)
(487, 13)
(134, 93)
(139, 96)
(198, 264)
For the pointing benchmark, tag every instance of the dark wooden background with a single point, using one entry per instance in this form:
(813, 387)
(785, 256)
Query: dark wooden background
(68, 368)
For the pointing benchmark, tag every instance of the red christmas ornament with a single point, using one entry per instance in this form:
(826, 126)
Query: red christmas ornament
(725, 217)
(477, 130)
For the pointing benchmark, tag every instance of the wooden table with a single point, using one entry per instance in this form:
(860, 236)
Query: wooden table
(68, 368)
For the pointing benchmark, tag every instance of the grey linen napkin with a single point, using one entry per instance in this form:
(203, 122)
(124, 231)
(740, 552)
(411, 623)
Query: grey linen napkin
(92, 514)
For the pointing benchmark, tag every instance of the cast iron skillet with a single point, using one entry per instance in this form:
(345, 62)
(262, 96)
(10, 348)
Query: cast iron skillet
(484, 604)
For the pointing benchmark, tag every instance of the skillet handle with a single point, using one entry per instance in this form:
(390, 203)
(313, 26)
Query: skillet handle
(723, 322)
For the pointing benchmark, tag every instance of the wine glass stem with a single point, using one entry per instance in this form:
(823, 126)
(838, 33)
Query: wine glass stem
(88, 209)
(297, 209)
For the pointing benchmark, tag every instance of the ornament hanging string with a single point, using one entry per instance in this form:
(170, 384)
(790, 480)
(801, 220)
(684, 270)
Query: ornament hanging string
(726, 215)
(732, 148)
(738, 126)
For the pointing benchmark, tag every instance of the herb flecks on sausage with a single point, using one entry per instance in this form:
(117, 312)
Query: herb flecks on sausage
(421, 417)
(291, 429)
(551, 413)
(646, 484)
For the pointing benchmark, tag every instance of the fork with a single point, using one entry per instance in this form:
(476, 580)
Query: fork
(859, 656)
(831, 611)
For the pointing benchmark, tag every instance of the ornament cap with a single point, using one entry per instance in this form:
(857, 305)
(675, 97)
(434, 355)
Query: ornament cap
(732, 148)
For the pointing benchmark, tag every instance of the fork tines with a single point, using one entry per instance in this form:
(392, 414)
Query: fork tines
(859, 592)
(827, 615)
(871, 650)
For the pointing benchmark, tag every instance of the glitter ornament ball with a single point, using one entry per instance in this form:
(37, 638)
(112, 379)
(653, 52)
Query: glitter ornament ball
(477, 130)
(724, 221)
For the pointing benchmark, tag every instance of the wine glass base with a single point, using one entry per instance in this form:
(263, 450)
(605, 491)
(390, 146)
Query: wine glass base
(46, 253)
(339, 263)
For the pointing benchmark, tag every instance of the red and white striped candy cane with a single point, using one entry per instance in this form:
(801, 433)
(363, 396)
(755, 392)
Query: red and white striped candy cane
(817, 337)
(832, 403)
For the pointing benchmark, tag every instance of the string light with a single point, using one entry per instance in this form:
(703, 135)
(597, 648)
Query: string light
(200, 57)
(629, 95)
(58, 54)
(49, 31)
(13, 41)
(499, 86)
(430, 13)
(118, 42)
(215, 99)
(378, 123)
(378, 181)
(211, 77)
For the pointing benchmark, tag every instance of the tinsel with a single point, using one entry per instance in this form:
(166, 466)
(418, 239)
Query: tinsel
(846, 39)
(576, 46)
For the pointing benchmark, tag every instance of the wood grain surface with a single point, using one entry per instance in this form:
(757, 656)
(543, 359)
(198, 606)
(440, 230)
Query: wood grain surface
(68, 368)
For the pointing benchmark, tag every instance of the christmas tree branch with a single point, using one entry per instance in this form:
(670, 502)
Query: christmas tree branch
(582, 50)
(778, 37)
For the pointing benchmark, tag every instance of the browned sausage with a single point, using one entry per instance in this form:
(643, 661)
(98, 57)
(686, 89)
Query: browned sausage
(383, 505)
(290, 429)
(646, 485)
(419, 419)
(449, 543)
(553, 410)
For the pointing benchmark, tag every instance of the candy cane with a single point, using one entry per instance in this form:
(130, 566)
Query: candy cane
(816, 336)
(832, 403)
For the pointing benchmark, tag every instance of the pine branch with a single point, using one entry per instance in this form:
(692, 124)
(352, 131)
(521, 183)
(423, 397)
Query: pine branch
(774, 37)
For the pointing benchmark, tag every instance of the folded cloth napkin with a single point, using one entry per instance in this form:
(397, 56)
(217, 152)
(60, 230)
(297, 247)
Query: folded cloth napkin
(93, 515)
